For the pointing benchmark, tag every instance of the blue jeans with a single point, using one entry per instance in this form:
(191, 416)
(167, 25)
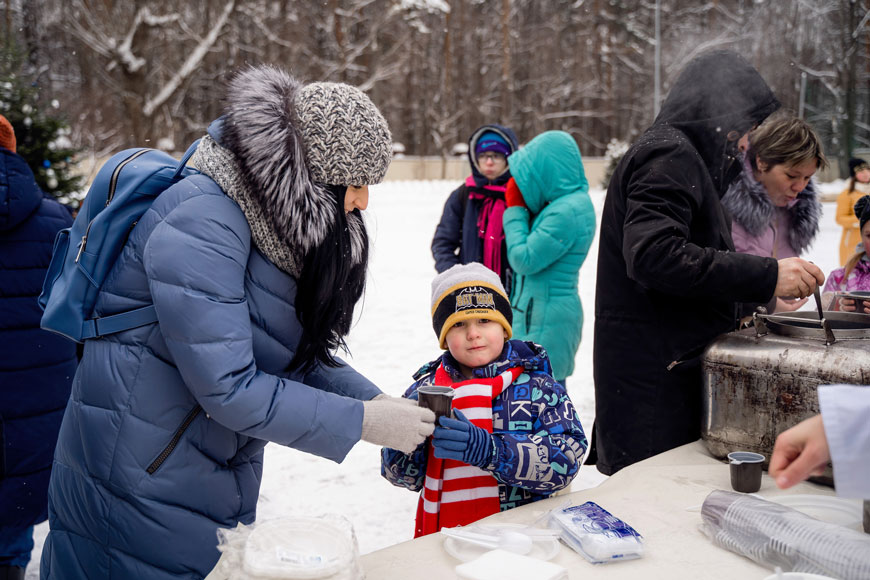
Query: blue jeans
(15, 546)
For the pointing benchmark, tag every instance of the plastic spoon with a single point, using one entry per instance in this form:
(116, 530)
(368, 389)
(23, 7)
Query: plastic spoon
(511, 541)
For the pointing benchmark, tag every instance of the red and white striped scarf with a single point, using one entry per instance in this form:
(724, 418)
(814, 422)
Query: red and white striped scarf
(455, 493)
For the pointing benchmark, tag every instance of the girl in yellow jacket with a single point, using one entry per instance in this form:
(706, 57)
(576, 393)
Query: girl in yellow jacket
(859, 186)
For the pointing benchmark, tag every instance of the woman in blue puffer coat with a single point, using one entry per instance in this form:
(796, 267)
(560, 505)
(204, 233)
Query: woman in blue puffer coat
(36, 366)
(254, 267)
(549, 225)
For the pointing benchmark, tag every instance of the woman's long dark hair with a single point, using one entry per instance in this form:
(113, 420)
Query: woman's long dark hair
(330, 285)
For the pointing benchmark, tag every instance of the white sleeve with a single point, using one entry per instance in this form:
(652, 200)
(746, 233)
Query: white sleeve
(846, 415)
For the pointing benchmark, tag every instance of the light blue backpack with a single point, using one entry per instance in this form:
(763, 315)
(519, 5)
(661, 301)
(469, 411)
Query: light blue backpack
(84, 253)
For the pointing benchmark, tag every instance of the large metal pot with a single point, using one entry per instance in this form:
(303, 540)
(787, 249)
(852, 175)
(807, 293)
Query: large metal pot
(760, 381)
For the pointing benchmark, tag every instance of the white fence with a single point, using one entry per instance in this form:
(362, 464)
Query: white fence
(457, 169)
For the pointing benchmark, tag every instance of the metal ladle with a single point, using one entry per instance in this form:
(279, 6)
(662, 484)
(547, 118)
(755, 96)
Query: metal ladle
(818, 298)
(829, 334)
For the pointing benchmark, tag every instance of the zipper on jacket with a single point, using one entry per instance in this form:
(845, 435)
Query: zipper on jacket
(175, 439)
(529, 313)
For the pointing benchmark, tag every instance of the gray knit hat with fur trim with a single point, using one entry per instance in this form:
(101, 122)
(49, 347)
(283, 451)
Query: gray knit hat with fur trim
(263, 130)
(346, 139)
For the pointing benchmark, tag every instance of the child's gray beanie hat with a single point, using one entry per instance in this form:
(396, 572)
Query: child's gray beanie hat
(346, 139)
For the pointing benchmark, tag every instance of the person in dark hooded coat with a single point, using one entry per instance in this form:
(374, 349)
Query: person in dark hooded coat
(668, 277)
(471, 227)
(36, 366)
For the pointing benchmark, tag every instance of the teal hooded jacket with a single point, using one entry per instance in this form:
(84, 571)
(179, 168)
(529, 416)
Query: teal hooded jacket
(547, 243)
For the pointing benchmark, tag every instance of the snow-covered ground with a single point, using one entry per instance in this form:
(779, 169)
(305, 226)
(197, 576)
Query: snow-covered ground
(392, 338)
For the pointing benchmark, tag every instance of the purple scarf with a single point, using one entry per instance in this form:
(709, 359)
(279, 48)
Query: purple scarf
(490, 227)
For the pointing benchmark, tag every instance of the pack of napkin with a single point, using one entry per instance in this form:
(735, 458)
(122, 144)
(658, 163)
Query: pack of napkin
(504, 565)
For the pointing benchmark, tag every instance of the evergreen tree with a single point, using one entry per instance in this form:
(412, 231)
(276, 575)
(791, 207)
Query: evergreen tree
(42, 137)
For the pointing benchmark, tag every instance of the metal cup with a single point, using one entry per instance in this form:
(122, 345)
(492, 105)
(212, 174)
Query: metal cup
(438, 399)
(746, 471)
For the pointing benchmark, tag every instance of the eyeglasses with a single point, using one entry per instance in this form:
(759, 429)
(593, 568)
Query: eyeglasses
(490, 156)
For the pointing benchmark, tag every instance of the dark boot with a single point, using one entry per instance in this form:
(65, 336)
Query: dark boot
(11, 573)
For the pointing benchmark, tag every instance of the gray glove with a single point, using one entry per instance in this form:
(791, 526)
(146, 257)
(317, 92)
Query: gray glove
(403, 400)
(395, 424)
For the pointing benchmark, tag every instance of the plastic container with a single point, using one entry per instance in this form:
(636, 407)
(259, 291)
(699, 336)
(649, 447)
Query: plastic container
(290, 548)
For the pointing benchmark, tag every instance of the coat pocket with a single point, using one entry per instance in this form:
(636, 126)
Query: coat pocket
(167, 451)
(529, 308)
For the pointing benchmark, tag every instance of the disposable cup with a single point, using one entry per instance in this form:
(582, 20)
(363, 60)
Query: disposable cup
(745, 471)
(438, 399)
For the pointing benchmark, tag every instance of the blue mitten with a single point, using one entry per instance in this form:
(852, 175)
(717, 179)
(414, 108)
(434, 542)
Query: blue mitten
(461, 440)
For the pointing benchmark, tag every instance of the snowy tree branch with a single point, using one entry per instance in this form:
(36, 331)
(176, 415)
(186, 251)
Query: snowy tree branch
(190, 65)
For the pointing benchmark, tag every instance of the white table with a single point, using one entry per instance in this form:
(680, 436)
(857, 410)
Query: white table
(660, 497)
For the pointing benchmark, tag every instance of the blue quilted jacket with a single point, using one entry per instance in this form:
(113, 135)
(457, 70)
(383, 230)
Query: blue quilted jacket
(538, 437)
(162, 442)
(36, 367)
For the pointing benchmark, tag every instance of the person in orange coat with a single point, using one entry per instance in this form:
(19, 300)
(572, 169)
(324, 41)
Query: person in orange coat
(859, 186)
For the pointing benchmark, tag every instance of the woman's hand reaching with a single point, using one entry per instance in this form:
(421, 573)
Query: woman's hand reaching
(800, 452)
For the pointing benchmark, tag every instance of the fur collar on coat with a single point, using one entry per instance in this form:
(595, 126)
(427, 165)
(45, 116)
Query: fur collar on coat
(750, 206)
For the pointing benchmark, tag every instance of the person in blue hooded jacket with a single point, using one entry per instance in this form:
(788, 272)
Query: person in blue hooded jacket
(254, 266)
(36, 366)
(549, 226)
(471, 228)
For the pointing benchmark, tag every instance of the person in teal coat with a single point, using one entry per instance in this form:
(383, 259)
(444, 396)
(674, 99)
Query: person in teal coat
(549, 225)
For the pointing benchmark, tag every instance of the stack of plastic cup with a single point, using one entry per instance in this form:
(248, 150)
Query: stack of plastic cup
(776, 535)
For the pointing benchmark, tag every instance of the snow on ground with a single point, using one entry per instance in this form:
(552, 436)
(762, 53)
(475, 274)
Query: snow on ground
(392, 338)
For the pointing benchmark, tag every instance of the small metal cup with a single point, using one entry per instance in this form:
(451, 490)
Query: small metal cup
(745, 471)
(438, 399)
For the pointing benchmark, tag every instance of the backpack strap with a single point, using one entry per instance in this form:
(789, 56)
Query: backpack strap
(97, 327)
(184, 159)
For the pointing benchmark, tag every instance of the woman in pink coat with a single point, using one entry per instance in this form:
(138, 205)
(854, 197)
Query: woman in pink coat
(774, 204)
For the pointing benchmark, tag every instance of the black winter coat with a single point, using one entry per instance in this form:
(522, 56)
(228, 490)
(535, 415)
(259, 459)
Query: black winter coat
(36, 366)
(456, 239)
(668, 277)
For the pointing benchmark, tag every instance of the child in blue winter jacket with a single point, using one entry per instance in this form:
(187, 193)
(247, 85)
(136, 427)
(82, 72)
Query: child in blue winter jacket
(515, 437)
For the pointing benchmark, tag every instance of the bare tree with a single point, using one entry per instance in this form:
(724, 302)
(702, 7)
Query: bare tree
(137, 71)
